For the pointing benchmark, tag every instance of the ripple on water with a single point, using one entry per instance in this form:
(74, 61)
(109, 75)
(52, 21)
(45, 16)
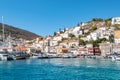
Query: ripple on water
(60, 69)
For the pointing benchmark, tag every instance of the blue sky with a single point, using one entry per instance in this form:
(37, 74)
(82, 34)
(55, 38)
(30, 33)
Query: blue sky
(45, 17)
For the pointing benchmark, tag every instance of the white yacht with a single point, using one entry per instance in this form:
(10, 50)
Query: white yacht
(3, 57)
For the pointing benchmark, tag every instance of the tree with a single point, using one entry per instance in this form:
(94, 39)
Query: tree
(81, 23)
(79, 36)
(93, 28)
(72, 46)
(59, 29)
(108, 23)
(86, 34)
(78, 24)
(96, 42)
(111, 38)
(81, 42)
(64, 29)
(97, 19)
(71, 35)
(55, 33)
(64, 39)
(109, 19)
(103, 39)
(59, 42)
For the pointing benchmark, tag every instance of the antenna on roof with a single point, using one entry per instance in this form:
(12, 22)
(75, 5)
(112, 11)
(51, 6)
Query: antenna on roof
(3, 29)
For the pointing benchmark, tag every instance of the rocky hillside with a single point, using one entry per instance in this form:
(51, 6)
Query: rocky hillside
(18, 33)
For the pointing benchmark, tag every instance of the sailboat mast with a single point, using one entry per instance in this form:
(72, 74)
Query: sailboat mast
(3, 36)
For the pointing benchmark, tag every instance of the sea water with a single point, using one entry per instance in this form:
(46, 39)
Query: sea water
(60, 69)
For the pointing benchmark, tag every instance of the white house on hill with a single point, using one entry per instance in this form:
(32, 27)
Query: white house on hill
(77, 31)
(115, 20)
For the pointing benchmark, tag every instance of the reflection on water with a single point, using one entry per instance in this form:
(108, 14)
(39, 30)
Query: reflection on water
(103, 63)
(60, 69)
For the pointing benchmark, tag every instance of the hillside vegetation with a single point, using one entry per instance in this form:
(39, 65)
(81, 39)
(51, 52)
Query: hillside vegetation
(18, 33)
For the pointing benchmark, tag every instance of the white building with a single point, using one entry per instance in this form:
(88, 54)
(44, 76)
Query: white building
(89, 38)
(77, 31)
(104, 32)
(53, 42)
(70, 30)
(117, 36)
(65, 35)
(73, 43)
(93, 36)
(86, 30)
(115, 20)
(105, 49)
(57, 38)
(117, 40)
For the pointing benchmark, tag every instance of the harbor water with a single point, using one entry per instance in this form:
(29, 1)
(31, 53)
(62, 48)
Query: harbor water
(60, 69)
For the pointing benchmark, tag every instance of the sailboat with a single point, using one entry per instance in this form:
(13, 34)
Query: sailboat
(3, 56)
(4, 47)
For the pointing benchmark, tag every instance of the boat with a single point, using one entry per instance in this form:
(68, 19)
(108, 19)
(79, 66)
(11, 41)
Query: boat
(11, 57)
(35, 55)
(23, 56)
(43, 55)
(3, 57)
(20, 57)
(115, 58)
